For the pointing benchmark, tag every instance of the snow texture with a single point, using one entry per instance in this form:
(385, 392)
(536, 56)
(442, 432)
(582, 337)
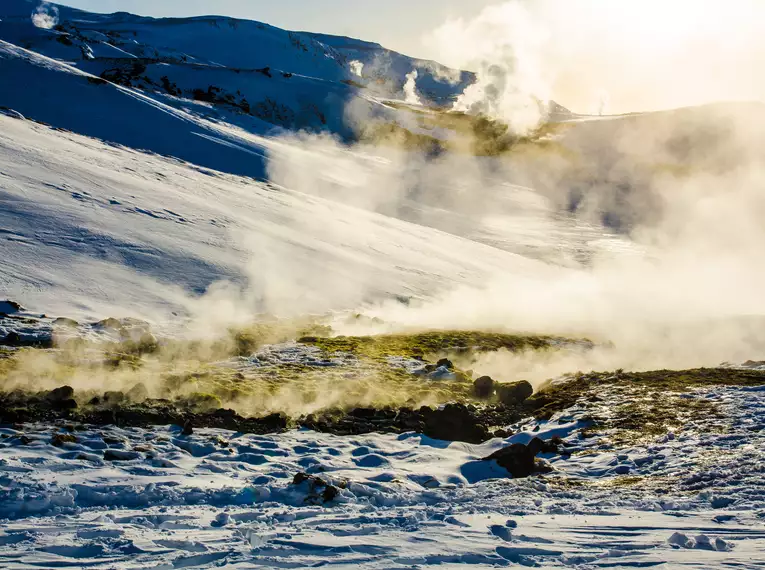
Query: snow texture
(129, 498)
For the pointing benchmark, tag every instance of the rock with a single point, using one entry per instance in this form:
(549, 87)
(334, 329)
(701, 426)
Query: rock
(11, 339)
(454, 422)
(59, 439)
(328, 492)
(188, 428)
(138, 393)
(483, 387)
(30, 340)
(446, 363)
(521, 460)
(221, 520)
(113, 398)
(60, 394)
(120, 455)
(515, 393)
(65, 322)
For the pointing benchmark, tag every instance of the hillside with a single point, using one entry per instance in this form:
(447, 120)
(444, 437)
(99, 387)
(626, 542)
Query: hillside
(267, 300)
(232, 70)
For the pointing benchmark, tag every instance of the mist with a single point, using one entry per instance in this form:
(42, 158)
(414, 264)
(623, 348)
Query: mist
(663, 209)
(600, 56)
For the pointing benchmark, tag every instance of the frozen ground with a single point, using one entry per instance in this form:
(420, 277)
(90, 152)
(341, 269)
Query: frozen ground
(130, 498)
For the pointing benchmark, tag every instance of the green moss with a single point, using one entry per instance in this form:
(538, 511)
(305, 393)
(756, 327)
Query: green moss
(420, 345)
(648, 404)
(202, 402)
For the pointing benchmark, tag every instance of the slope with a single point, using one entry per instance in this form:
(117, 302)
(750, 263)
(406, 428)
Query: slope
(90, 228)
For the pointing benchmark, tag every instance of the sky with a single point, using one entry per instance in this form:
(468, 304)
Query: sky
(607, 56)
(397, 24)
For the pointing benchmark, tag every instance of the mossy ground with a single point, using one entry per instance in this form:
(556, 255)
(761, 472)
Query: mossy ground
(625, 407)
(629, 407)
(428, 344)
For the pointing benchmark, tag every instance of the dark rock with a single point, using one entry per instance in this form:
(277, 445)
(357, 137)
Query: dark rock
(188, 428)
(363, 412)
(11, 339)
(60, 394)
(483, 387)
(446, 363)
(59, 439)
(120, 455)
(15, 339)
(225, 413)
(514, 393)
(330, 492)
(317, 487)
(517, 458)
(68, 404)
(521, 460)
(113, 398)
(300, 478)
(455, 422)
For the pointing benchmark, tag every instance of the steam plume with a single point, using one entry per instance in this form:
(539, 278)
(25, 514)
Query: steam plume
(45, 16)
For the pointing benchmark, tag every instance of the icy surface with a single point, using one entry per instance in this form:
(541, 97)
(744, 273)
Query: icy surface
(130, 498)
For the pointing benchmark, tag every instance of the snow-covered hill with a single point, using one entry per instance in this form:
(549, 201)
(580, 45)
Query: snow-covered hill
(93, 228)
(238, 71)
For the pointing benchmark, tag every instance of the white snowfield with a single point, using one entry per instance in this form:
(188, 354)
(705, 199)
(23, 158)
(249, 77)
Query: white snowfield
(132, 498)
(91, 229)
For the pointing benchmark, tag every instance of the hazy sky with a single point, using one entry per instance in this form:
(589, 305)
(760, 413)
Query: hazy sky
(397, 24)
(590, 55)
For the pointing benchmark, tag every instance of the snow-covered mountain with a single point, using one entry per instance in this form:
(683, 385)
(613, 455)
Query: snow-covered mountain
(244, 73)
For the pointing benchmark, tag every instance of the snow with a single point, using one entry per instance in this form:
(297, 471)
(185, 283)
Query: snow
(116, 230)
(128, 498)
(133, 200)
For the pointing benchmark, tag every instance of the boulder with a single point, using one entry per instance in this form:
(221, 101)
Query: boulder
(113, 398)
(483, 387)
(514, 393)
(60, 394)
(318, 488)
(521, 460)
(446, 363)
(59, 439)
(454, 422)
(138, 393)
